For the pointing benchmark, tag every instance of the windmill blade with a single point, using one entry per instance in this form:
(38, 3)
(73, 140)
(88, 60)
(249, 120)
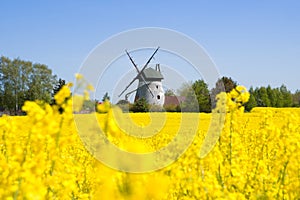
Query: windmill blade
(135, 77)
(138, 71)
(147, 86)
(128, 86)
(149, 60)
(145, 68)
(132, 82)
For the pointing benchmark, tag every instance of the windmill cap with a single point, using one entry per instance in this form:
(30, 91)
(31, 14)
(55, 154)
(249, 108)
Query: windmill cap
(151, 73)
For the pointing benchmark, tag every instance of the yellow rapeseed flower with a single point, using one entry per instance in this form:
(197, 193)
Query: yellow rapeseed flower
(43, 157)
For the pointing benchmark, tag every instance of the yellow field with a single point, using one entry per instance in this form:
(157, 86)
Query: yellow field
(43, 157)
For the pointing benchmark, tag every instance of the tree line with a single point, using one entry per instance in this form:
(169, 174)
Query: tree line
(23, 80)
(272, 97)
(200, 98)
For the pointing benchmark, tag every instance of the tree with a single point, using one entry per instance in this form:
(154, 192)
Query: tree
(190, 103)
(169, 92)
(9, 84)
(185, 88)
(223, 84)
(60, 83)
(202, 94)
(279, 98)
(227, 83)
(58, 86)
(41, 84)
(287, 96)
(21, 80)
(272, 95)
(262, 97)
(296, 98)
(251, 102)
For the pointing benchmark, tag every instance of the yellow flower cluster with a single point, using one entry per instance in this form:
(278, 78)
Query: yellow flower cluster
(237, 98)
(256, 157)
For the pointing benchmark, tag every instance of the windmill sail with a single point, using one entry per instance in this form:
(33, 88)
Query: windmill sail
(140, 73)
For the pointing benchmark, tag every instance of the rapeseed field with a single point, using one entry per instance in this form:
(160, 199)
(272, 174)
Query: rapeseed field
(43, 155)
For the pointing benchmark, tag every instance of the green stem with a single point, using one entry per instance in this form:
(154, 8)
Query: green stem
(16, 193)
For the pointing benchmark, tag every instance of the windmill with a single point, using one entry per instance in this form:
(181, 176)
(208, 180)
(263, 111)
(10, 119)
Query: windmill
(150, 85)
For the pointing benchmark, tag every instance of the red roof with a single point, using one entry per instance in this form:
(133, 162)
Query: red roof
(173, 100)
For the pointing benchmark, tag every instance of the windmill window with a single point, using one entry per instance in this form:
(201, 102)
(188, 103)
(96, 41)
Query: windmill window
(158, 97)
(157, 86)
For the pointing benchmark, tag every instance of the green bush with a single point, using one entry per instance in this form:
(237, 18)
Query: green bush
(141, 105)
(172, 108)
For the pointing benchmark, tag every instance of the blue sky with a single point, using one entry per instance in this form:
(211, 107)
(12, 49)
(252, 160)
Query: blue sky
(254, 42)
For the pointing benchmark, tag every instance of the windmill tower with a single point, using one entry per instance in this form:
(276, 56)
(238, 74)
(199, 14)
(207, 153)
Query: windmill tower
(150, 85)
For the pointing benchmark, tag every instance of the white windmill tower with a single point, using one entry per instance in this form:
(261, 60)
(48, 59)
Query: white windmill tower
(150, 85)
